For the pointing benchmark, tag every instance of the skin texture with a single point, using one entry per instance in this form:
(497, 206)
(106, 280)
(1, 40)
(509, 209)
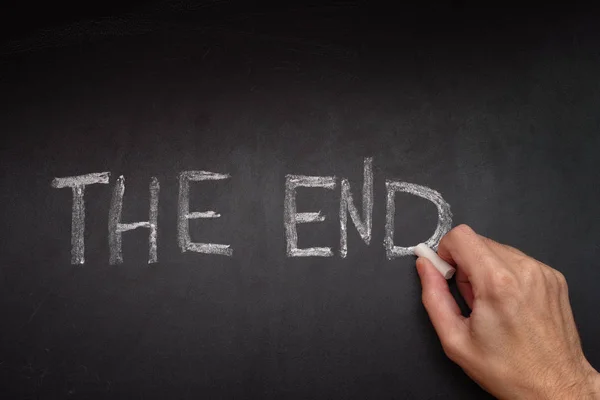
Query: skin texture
(520, 341)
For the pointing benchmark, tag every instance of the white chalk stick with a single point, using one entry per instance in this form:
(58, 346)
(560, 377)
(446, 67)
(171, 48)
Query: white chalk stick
(447, 271)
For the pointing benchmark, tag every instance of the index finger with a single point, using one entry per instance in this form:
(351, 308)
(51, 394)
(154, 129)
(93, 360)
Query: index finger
(465, 249)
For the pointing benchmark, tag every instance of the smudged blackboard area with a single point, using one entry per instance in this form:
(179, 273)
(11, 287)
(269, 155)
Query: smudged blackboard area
(496, 110)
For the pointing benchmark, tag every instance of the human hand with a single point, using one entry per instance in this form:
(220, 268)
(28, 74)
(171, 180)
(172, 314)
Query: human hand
(520, 341)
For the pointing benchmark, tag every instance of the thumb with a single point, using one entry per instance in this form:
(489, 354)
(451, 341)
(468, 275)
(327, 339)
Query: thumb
(443, 311)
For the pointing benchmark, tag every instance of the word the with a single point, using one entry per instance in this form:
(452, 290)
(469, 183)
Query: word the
(362, 221)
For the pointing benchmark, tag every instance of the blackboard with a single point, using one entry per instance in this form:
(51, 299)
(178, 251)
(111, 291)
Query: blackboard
(498, 114)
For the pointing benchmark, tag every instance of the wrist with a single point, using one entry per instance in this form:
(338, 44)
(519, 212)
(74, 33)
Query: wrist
(584, 386)
(595, 386)
(589, 389)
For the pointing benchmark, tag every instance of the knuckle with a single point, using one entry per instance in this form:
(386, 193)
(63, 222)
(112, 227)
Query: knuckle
(427, 300)
(458, 234)
(462, 230)
(502, 281)
(424, 300)
(452, 345)
(529, 271)
(525, 263)
(562, 280)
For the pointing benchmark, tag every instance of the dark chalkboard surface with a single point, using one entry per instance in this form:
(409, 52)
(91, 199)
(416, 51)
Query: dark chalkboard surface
(499, 114)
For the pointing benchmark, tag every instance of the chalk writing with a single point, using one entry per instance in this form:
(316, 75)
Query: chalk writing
(444, 216)
(347, 206)
(116, 228)
(291, 217)
(363, 221)
(184, 215)
(78, 184)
